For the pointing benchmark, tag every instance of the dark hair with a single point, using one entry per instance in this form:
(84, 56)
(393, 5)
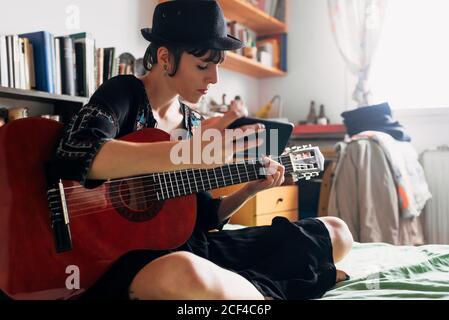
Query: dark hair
(150, 58)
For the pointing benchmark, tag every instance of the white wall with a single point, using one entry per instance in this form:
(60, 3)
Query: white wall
(428, 127)
(317, 72)
(114, 23)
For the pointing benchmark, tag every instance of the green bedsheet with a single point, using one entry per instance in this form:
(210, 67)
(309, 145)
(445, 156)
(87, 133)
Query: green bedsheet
(383, 271)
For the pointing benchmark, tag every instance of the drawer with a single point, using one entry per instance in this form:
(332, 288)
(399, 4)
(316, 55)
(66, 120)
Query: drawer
(265, 219)
(277, 199)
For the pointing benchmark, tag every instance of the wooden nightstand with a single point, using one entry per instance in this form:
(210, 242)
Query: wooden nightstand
(265, 205)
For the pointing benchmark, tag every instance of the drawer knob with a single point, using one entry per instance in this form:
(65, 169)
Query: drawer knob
(279, 200)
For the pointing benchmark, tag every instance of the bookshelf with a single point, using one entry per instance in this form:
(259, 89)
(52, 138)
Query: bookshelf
(263, 24)
(40, 96)
(238, 63)
(63, 105)
(259, 21)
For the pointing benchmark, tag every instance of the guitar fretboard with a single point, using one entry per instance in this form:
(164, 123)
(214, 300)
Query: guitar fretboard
(184, 182)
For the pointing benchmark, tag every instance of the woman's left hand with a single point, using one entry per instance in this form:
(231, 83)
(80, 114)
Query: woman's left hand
(275, 177)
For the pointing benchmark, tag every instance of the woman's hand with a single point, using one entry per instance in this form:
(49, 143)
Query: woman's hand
(238, 106)
(217, 127)
(275, 177)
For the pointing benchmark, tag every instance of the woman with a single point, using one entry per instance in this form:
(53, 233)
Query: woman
(283, 261)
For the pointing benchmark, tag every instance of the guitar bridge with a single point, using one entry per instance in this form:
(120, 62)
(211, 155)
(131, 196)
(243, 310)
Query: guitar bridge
(59, 218)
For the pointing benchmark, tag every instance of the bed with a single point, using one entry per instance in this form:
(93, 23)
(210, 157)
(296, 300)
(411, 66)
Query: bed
(384, 271)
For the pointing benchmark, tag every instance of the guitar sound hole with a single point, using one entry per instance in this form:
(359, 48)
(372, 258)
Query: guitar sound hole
(134, 199)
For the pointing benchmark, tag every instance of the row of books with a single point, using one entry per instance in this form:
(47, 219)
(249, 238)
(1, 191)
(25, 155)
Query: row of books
(274, 8)
(245, 34)
(68, 64)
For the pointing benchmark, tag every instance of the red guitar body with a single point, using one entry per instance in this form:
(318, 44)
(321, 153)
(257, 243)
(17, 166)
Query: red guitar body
(30, 267)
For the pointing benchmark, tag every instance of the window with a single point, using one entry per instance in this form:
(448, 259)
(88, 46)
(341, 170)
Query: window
(411, 66)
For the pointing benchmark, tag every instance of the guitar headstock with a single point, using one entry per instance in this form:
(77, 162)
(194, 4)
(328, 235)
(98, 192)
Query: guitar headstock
(307, 161)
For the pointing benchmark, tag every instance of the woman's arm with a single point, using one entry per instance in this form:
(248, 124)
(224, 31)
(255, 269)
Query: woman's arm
(230, 204)
(117, 159)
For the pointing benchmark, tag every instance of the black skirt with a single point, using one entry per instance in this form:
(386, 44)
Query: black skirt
(287, 260)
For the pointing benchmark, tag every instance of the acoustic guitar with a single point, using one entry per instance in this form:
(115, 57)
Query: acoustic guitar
(54, 230)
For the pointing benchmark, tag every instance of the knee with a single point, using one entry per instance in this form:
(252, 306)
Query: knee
(340, 235)
(190, 274)
(173, 276)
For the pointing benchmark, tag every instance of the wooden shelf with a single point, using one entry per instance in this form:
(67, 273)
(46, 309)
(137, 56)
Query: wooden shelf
(40, 96)
(241, 64)
(252, 17)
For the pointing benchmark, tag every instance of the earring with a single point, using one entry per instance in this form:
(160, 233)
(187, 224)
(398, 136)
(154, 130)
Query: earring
(165, 70)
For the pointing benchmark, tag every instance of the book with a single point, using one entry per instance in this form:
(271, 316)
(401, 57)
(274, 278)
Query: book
(279, 12)
(87, 50)
(68, 66)
(10, 61)
(100, 66)
(42, 51)
(261, 5)
(16, 61)
(108, 63)
(273, 6)
(57, 53)
(29, 64)
(81, 83)
(22, 73)
(3, 62)
(283, 42)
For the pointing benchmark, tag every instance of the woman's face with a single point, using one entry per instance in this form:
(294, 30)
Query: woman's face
(194, 77)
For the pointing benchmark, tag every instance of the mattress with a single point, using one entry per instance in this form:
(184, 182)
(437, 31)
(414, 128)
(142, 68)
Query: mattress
(383, 271)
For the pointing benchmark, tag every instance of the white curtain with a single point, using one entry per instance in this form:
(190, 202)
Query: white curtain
(356, 25)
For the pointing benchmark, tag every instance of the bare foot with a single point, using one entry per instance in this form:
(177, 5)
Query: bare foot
(342, 276)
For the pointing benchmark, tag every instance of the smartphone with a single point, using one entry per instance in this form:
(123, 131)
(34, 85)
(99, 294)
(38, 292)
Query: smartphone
(275, 136)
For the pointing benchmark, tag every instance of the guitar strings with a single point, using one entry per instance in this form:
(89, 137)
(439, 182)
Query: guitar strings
(153, 175)
(166, 194)
(168, 191)
(195, 173)
(150, 197)
(73, 211)
(147, 197)
(117, 195)
(250, 162)
(158, 183)
(117, 199)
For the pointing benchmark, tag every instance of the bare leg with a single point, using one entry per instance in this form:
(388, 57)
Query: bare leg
(183, 275)
(341, 239)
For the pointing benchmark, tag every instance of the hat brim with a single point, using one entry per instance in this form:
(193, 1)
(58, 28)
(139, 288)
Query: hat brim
(227, 43)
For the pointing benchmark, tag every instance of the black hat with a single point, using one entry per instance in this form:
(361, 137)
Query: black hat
(194, 23)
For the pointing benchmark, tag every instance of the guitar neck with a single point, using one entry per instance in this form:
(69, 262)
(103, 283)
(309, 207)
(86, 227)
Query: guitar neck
(180, 183)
